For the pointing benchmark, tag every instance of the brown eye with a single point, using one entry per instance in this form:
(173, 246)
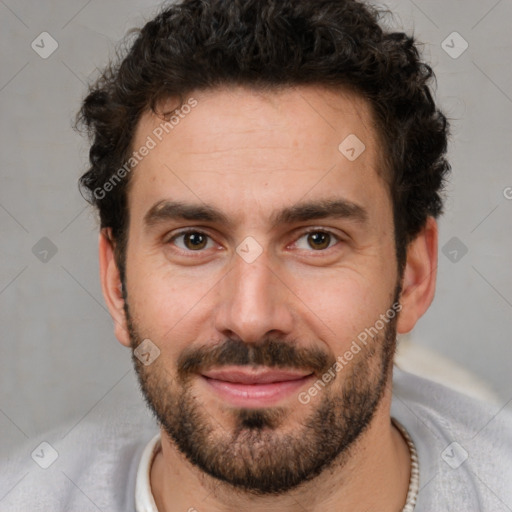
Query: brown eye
(319, 240)
(191, 240)
(195, 240)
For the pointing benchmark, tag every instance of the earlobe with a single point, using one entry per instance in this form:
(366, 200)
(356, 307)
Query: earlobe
(112, 286)
(419, 280)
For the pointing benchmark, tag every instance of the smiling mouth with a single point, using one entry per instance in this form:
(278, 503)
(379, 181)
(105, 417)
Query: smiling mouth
(257, 388)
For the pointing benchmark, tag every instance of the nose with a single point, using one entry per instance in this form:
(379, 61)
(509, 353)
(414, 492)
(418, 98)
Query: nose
(254, 302)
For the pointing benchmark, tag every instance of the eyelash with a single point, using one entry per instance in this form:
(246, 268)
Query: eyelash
(303, 234)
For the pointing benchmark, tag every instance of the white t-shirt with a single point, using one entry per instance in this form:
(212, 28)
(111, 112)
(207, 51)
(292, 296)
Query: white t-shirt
(464, 449)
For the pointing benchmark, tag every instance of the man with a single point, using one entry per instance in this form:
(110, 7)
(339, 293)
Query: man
(267, 175)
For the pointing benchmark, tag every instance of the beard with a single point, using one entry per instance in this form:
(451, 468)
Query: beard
(260, 454)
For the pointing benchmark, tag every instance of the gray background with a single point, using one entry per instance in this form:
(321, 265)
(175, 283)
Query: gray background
(59, 359)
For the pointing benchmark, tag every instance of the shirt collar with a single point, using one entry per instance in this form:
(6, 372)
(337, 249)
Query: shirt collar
(144, 500)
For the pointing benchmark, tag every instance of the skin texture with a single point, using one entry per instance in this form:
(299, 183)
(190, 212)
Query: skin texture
(250, 154)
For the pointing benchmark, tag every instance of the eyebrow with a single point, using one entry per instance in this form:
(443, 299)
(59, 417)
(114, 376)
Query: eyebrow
(166, 210)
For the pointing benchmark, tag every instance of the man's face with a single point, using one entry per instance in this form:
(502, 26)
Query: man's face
(254, 290)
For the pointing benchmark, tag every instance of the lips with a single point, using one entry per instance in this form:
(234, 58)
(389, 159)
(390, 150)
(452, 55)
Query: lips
(243, 387)
(254, 377)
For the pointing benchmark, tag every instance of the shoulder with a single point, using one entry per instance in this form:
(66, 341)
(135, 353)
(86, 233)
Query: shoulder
(450, 412)
(464, 445)
(86, 466)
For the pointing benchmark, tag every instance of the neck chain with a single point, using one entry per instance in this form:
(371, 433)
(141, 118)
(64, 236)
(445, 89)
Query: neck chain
(414, 482)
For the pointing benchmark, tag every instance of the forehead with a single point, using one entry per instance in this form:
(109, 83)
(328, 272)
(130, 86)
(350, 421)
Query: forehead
(238, 146)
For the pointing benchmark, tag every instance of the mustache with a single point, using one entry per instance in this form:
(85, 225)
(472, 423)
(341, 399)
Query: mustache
(271, 353)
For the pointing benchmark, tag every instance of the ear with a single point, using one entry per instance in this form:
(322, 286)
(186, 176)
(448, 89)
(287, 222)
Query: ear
(111, 286)
(419, 280)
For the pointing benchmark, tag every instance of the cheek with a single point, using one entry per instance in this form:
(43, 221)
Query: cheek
(160, 302)
(342, 305)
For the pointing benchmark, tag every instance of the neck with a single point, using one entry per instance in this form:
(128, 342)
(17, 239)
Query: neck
(375, 476)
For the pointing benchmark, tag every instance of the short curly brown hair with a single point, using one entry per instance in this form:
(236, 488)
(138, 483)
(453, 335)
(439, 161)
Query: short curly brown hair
(203, 44)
